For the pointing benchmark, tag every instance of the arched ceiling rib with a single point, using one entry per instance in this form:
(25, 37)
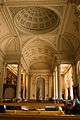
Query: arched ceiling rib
(12, 47)
(68, 43)
(3, 27)
(38, 51)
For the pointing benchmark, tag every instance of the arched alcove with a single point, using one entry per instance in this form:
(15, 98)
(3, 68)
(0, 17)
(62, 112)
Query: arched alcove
(40, 88)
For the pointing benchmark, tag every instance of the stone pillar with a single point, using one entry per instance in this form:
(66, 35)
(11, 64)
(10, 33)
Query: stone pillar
(71, 84)
(74, 74)
(52, 92)
(66, 93)
(29, 87)
(56, 84)
(46, 88)
(74, 77)
(24, 85)
(18, 89)
(71, 92)
(50, 86)
(32, 88)
(59, 82)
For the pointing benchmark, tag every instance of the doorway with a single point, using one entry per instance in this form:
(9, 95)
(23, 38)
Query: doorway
(40, 89)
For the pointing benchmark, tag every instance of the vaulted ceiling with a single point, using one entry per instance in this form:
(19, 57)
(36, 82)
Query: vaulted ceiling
(39, 32)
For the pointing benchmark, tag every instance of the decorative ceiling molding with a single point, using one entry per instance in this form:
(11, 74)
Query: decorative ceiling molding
(74, 1)
(4, 41)
(66, 13)
(38, 51)
(6, 15)
(72, 40)
(36, 19)
(12, 47)
(40, 71)
(8, 19)
(34, 2)
(51, 40)
(37, 41)
(38, 48)
(62, 57)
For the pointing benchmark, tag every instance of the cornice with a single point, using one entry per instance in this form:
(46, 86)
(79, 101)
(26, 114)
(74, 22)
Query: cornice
(34, 2)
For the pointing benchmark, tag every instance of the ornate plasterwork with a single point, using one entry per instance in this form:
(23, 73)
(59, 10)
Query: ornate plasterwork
(33, 2)
(36, 19)
(74, 1)
(38, 51)
(72, 42)
(42, 53)
(3, 27)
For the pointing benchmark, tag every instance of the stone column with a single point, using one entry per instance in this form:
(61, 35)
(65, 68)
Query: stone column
(74, 77)
(71, 84)
(66, 93)
(52, 92)
(24, 85)
(46, 88)
(32, 88)
(74, 74)
(18, 89)
(59, 82)
(71, 92)
(56, 84)
(50, 86)
(29, 87)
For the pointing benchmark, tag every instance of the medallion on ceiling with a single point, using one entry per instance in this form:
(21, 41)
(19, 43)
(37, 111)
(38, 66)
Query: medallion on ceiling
(36, 20)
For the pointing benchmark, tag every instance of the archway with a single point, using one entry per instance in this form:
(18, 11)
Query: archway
(40, 88)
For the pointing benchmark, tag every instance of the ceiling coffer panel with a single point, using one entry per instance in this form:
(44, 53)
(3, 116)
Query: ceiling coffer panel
(36, 19)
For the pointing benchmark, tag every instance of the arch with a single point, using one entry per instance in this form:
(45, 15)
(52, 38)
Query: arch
(38, 50)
